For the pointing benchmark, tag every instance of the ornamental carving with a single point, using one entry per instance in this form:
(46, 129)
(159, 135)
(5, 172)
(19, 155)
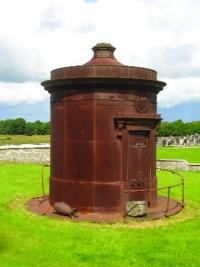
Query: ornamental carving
(142, 104)
(137, 182)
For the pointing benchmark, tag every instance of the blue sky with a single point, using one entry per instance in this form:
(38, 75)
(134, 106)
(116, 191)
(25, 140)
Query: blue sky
(38, 36)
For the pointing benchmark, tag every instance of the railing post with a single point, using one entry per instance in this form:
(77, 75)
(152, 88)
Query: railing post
(168, 200)
(183, 194)
(42, 178)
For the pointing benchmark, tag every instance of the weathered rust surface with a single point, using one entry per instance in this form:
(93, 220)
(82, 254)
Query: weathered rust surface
(104, 122)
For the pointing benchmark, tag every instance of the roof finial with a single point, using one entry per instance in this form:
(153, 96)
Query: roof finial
(103, 55)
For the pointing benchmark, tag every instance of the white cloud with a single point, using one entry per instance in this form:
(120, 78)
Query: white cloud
(38, 36)
(29, 92)
(179, 91)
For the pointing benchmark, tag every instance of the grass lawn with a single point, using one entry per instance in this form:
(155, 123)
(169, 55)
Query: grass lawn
(30, 240)
(23, 139)
(191, 154)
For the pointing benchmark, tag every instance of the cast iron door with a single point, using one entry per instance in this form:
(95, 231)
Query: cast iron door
(138, 165)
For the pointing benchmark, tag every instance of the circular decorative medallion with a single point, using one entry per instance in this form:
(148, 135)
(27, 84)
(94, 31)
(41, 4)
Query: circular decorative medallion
(142, 104)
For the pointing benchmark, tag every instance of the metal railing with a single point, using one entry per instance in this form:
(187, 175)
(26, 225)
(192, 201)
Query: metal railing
(42, 179)
(168, 188)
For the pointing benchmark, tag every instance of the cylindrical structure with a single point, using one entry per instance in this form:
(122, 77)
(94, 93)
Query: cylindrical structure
(103, 138)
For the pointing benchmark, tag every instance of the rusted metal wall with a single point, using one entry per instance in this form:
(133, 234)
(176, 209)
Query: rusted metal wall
(104, 121)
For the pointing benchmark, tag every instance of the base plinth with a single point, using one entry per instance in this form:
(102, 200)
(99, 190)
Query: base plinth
(40, 206)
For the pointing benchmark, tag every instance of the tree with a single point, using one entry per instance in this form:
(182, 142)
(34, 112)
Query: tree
(165, 129)
(18, 126)
(193, 127)
(178, 128)
(6, 127)
(30, 129)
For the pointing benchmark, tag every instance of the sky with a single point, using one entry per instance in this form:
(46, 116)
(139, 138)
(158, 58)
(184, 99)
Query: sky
(37, 36)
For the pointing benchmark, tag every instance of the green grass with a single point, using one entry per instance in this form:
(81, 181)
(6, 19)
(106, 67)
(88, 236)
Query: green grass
(23, 139)
(191, 154)
(30, 240)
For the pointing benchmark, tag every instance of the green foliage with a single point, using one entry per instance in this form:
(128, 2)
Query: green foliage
(178, 128)
(29, 240)
(20, 127)
(41, 127)
(165, 129)
(30, 129)
(6, 126)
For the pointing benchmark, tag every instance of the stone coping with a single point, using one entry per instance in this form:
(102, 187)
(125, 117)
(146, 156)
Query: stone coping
(25, 146)
(177, 164)
(178, 160)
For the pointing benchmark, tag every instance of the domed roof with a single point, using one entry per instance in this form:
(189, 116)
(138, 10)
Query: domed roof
(103, 65)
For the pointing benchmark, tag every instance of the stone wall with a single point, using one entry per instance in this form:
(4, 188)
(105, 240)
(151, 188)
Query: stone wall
(177, 165)
(39, 154)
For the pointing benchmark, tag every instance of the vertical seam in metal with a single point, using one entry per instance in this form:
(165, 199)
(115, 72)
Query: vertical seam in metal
(64, 134)
(94, 148)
